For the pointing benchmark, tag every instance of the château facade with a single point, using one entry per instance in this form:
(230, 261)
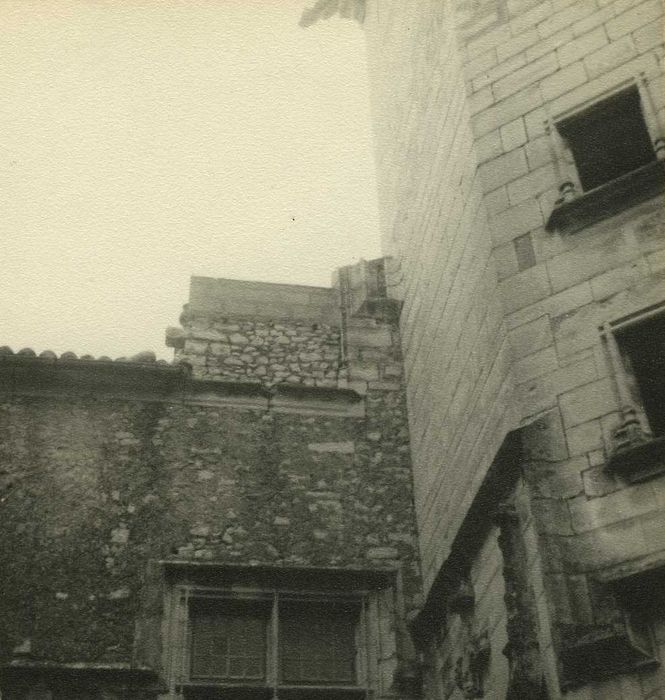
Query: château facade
(519, 149)
(443, 477)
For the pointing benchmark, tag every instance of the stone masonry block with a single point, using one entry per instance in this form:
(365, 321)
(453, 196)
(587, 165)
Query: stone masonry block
(513, 134)
(605, 250)
(195, 347)
(479, 65)
(496, 201)
(489, 146)
(533, 184)
(525, 251)
(499, 71)
(571, 97)
(515, 221)
(369, 337)
(481, 100)
(566, 17)
(345, 448)
(526, 288)
(517, 44)
(531, 73)
(488, 40)
(649, 36)
(564, 80)
(535, 365)
(588, 402)
(363, 371)
(562, 480)
(584, 438)
(543, 440)
(507, 110)
(538, 152)
(531, 337)
(620, 278)
(636, 17)
(505, 260)
(597, 482)
(503, 169)
(523, 21)
(582, 46)
(545, 46)
(610, 56)
(598, 18)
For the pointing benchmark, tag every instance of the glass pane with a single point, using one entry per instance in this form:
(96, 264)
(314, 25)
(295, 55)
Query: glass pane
(317, 644)
(228, 642)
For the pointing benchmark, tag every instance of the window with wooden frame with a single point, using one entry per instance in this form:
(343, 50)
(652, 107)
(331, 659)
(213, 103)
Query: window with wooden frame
(281, 644)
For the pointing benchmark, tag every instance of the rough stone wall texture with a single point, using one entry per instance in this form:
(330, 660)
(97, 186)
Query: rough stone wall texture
(434, 224)
(99, 487)
(467, 180)
(95, 486)
(268, 352)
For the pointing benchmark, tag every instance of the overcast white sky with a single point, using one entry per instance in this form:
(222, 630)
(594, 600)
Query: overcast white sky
(142, 142)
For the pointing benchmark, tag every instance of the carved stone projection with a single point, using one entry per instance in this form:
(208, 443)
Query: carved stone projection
(522, 650)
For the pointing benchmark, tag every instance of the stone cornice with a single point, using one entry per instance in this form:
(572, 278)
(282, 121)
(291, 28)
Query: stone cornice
(22, 375)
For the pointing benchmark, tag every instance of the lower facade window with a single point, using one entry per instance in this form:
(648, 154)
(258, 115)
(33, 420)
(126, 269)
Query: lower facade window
(245, 644)
(642, 347)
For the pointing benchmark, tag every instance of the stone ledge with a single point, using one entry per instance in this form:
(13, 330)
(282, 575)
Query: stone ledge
(598, 651)
(220, 574)
(34, 376)
(639, 463)
(27, 672)
(608, 199)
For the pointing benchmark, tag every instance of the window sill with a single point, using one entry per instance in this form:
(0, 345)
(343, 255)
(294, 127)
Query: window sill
(600, 651)
(217, 691)
(638, 463)
(608, 199)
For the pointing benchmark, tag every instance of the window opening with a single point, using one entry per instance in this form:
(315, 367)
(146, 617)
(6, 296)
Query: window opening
(322, 651)
(642, 348)
(278, 643)
(609, 139)
(228, 640)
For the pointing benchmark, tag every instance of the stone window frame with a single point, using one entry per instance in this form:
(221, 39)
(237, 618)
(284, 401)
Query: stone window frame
(636, 454)
(180, 637)
(576, 208)
(387, 664)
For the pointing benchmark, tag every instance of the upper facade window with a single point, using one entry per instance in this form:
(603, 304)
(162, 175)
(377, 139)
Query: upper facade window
(609, 139)
(608, 157)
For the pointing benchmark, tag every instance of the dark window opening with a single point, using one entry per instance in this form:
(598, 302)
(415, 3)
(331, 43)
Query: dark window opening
(228, 641)
(609, 139)
(317, 644)
(302, 647)
(643, 349)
